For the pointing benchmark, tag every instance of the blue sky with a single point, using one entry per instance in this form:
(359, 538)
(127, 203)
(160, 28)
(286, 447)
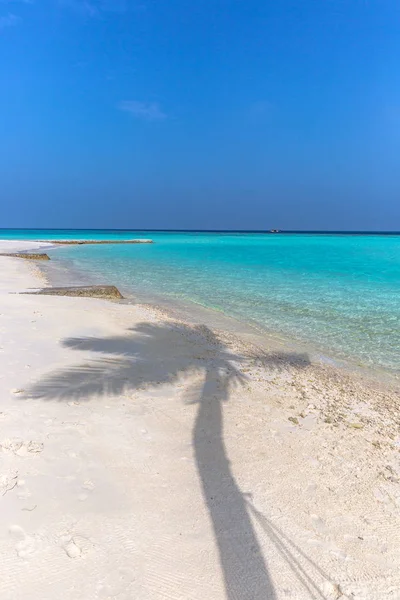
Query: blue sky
(236, 114)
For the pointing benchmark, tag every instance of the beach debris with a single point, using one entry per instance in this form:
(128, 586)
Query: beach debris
(8, 482)
(11, 487)
(27, 255)
(389, 474)
(17, 391)
(88, 485)
(294, 420)
(356, 425)
(109, 292)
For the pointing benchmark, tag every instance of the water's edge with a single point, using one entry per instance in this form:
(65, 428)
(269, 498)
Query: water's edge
(63, 272)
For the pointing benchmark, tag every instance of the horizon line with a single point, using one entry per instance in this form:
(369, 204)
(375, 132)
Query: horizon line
(263, 231)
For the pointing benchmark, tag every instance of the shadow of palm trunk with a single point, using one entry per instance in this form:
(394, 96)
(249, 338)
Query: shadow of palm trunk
(243, 566)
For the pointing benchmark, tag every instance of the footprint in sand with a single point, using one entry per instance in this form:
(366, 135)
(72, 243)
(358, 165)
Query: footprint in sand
(72, 550)
(318, 524)
(70, 545)
(88, 486)
(145, 434)
(26, 544)
(22, 492)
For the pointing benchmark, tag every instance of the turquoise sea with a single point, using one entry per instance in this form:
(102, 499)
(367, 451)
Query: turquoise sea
(339, 293)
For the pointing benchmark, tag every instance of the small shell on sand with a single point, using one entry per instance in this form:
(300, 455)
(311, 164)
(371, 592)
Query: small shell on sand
(331, 590)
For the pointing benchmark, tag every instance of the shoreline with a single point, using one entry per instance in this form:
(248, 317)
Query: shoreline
(125, 431)
(63, 272)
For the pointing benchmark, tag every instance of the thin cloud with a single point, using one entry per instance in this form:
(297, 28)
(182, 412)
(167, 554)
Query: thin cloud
(142, 110)
(8, 21)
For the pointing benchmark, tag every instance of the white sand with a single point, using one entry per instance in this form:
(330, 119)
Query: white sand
(17, 245)
(143, 459)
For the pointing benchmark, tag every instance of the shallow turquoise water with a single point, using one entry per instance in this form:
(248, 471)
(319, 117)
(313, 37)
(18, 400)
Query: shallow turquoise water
(340, 293)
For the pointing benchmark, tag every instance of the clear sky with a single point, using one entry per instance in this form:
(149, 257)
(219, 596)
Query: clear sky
(210, 114)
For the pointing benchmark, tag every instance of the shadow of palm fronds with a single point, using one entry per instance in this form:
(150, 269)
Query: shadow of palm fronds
(154, 354)
(150, 354)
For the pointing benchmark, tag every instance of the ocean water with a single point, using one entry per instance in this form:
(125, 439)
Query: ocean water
(338, 293)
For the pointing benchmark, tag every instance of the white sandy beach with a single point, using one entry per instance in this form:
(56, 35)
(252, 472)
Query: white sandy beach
(142, 458)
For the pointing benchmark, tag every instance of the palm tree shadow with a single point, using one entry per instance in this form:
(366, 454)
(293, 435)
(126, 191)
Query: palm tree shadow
(305, 569)
(151, 354)
(243, 566)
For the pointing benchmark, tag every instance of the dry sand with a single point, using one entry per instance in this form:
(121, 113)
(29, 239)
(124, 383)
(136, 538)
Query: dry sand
(143, 458)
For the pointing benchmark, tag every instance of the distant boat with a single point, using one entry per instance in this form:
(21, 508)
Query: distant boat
(274, 230)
